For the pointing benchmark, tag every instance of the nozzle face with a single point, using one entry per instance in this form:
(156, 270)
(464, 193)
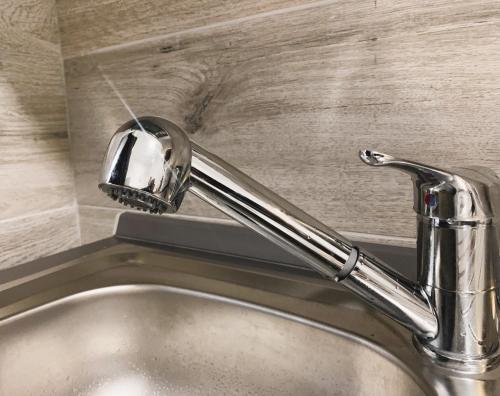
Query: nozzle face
(147, 165)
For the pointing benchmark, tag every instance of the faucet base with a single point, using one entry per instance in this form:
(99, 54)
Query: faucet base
(459, 363)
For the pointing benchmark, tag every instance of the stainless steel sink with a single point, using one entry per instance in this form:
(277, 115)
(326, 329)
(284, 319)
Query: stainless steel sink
(159, 340)
(119, 318)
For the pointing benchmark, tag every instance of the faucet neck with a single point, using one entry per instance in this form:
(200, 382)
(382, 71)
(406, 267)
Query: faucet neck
(258, 208)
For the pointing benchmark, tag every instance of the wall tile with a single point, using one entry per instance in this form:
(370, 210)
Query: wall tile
(28, 238)
(290, 98)
(90, 25)
(37, 183)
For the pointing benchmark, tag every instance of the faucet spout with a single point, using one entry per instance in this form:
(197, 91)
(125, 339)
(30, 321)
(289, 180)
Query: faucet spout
(150, 164)
(333, 256)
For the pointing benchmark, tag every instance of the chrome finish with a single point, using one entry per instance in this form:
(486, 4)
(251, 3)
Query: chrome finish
(458, 262)
(447, 197)
(251, 204)
(442, 197)
(148, 171)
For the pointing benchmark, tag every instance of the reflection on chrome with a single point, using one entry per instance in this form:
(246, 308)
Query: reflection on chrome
(452, 310)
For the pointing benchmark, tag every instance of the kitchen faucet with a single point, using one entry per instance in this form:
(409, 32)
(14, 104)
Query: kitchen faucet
(452, 309)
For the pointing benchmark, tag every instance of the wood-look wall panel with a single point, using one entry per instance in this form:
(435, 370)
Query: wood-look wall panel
(91, 25)
(25, 239)
(290, 98)
(38, 18)
(36, 177)
(30, 188)
(35, 167)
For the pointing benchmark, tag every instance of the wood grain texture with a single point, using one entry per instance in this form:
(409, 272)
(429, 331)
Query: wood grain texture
(35, 167)
(35, 18)
(93, 24)
(290, 98)
(35, 170)
(28, 238)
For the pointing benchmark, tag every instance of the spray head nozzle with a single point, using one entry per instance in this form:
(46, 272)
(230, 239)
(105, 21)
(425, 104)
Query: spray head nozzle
(147, 165)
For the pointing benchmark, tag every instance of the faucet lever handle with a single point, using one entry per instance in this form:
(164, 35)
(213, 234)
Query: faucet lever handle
(465, 194)
(418, 171)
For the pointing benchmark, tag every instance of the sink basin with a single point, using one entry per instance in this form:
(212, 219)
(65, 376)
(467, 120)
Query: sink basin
(198, 308)
(161, 340)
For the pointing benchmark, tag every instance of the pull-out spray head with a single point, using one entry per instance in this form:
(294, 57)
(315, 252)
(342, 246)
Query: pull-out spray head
(147, 165)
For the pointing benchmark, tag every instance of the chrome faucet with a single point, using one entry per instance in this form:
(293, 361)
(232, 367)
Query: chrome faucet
(453, 308)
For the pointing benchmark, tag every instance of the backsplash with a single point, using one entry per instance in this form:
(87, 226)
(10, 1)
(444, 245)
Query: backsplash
(289, 92)
(38, 213)
(286, 90)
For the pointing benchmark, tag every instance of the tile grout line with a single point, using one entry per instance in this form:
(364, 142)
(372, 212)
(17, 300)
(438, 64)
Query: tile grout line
(68, 132)
(199, 29)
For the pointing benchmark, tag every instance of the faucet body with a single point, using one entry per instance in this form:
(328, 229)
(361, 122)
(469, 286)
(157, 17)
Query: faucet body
(458, 265)
(457, 268)
(452, 309)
